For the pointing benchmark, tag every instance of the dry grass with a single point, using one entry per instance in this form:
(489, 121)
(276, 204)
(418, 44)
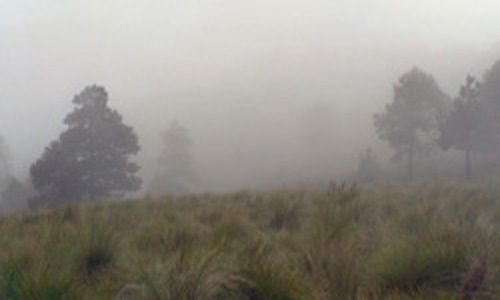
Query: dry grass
(436, 241)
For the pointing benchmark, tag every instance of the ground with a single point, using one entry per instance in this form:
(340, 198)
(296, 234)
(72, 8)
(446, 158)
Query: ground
(437, 240)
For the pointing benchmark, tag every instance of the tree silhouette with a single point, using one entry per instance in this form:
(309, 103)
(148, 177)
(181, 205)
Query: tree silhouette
(176, 172)
(4, 164)
(462, 129)
(489, 97)
(15, 195)
(410, 122)
(369, 170)
(90, 160)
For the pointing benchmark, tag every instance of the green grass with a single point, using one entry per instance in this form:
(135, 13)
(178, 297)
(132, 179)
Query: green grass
(383, 242)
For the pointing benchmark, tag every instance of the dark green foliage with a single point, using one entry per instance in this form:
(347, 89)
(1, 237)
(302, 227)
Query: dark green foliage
(46, 284)
(11, 281)
(90, 160)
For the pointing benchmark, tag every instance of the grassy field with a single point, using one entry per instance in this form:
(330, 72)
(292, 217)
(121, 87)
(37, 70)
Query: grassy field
(426, 241)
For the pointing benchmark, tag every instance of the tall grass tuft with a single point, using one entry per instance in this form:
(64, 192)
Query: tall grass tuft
(264, 275)
(427, 241)
(186, 278)
(432, 261)
(97, 251)
(41, 282)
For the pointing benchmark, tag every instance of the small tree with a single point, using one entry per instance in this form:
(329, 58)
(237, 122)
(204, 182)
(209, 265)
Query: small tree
(462, 129)
(410, 122)
(4, 164)
(369, 170)
(15, 196)
(489, 97)
(5, 174)
(176, 172)
(90, 160)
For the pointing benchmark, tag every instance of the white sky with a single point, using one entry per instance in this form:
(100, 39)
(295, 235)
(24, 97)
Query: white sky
(204, 61)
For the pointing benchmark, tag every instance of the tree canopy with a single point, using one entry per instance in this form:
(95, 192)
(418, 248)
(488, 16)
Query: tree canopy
(409, 123)
(489, 96)
(462, 129)
(91, 158)
(368, 169)
(176, 171)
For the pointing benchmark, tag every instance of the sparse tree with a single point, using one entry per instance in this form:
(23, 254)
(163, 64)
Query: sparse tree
(410, 123)
(4, 163)
(489, 96)
(462, 129)
(15, 196)
(176, 173)
(368, 168)
(91, 158)
(5, 172)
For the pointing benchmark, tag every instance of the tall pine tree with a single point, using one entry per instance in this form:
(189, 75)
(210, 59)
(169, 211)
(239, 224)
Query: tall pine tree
(91, 158)
(463, 128)
(410, 122)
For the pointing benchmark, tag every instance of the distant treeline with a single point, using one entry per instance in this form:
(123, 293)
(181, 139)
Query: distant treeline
(422, 119)
(92, 159)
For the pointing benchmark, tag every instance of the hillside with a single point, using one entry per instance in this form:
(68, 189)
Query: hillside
(424, 241)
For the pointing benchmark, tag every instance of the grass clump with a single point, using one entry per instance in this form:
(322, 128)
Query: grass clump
(24, 279)
(434, 261)
(186, 278)
(97, 251)
(262, 274)
(383, 242)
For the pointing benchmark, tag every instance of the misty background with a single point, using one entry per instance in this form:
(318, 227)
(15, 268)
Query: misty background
(253, 81)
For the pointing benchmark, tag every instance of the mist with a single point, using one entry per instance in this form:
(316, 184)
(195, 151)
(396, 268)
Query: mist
(243, 77)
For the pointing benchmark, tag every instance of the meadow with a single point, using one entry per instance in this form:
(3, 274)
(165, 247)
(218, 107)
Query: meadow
(434, 240)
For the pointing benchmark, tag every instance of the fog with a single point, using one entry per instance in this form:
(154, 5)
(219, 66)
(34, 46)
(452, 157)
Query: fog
(243, 76)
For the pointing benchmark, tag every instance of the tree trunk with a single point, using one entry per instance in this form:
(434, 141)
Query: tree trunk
(467, 164)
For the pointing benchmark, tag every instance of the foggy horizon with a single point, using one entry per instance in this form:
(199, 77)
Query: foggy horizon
(241, 76)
